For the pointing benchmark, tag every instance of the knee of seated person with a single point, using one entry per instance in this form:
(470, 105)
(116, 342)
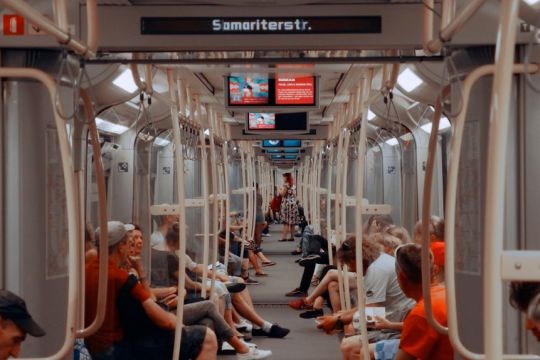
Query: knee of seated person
(349, 344)
(333, 285)
(210, 339)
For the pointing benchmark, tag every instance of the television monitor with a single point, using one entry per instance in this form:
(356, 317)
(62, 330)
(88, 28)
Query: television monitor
(294, 90)
(261, 121)
(248, 90)
(272, 151)
(272, 143)
(292, 143)
(267, 93)
(292, 123)
(291, 151)
(289, 157)
(276, 157)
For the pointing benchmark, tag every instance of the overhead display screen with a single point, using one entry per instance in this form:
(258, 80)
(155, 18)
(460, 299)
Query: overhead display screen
(292, 90)
(285, 90)
(290, 157)
(261, 25)
(292, 143)
(248, 90)
(272, 143)
(261, 121)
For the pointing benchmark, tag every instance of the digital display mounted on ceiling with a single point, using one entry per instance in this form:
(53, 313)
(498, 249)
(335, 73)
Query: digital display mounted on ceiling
(272, 143)
(292, 143)
(295, 90)
(267, 92)
(261, 121)
(248, 90)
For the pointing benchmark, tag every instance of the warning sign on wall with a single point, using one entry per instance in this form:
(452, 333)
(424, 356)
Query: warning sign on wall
(13, 25)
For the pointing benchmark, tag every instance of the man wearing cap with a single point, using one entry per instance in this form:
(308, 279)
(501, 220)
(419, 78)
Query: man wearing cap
(104, 344)
(15, 323)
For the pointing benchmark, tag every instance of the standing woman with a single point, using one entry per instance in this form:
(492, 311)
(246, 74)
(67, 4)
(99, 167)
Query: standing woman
(289, 208)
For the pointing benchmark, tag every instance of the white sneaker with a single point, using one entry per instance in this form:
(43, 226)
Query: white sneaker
(254, 354)
(244, 324)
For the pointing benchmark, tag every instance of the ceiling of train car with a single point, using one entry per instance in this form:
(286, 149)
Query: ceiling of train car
(248, 2)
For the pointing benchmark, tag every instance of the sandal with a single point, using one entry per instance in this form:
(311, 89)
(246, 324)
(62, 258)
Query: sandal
(268, 263)
(261, 274)
(291, 239)
(282, 240)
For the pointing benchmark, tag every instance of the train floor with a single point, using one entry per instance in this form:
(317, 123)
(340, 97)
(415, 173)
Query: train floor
(305, 341)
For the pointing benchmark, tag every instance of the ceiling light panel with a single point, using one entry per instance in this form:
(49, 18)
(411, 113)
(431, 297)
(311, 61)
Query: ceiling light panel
(408, 80)
(110, 127)
(125, 81)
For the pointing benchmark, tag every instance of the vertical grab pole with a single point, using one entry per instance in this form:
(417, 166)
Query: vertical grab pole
(366, 82)
(244, 202)
(215, 220)
(102, 196)
(337, 213)
(329, 205)
(206, 210)
(343, 216)
(426, 214)
(496, 178)
(227, 201)
(179, 157)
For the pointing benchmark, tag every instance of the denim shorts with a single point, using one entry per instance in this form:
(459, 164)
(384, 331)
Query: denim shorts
(386, 349)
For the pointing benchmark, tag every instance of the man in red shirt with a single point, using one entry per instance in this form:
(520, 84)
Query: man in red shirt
(525, 296)
(104, 343)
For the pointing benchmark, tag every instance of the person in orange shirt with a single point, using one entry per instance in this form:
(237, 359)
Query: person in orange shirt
(525, 296)
(418, 339)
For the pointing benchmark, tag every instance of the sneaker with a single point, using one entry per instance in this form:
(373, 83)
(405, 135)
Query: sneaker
(296, 252)
(226, 349)
(300, 304)
(310, 259)
(296, 292)
(312, 314)
(244, 326)
(277, 331)
(254, 354)
(249, 281)
(266, 235)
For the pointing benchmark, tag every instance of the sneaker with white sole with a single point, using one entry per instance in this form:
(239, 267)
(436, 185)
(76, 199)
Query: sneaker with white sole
(254, 354)
(244, 326)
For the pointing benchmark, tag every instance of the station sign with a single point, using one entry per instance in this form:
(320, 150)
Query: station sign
(261, 25)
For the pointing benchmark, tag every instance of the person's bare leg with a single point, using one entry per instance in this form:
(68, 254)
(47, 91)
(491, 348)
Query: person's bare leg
(235, 316)
(351, 349)
(258, 233)
(323, 286)
(247, 297)
(263, 257)
(333, 291)
(229, 319)
(253, 261)
(238, 345)
(318, 303)
(246, 311)
(285, 231)
(209, 346)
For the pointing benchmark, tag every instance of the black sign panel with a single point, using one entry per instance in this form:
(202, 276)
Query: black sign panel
(261, 25)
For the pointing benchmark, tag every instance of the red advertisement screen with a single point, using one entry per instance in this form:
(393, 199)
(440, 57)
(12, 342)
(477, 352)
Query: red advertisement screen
(294, 90)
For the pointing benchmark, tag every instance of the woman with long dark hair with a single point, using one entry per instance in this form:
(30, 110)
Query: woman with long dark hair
(289, 208)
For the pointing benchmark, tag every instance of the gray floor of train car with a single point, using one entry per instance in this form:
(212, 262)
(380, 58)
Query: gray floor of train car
(304, 342)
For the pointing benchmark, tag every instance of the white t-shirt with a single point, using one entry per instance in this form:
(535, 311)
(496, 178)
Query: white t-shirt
(157, 239)
(381, 286)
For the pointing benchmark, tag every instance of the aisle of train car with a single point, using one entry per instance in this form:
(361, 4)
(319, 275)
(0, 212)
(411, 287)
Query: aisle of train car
(304, 342)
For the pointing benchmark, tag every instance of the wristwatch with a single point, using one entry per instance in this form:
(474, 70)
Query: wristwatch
(339, 323)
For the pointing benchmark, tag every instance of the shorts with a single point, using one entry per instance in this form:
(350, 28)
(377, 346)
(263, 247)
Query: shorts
(259, 219)
(386, 349)
(192, 341)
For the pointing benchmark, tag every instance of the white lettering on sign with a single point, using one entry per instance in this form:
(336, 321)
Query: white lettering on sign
(220, 25)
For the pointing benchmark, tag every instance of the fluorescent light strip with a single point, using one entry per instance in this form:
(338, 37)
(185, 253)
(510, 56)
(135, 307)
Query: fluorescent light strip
(532, 2)
(161, 142)
(125, 81)
(443, 124)
(408, 80)
(370, 115)
(392, 141)
(110, 127)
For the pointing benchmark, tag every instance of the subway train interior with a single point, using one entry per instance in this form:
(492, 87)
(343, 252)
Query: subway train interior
(196, 179)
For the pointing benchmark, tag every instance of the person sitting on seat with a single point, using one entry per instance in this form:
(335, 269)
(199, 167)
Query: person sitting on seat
(388, 242)
(15, 323)
(198, 343)
(437, 245)
(418, 339)
(525, 296)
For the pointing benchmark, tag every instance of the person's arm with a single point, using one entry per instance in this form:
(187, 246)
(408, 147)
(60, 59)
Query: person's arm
(403, 355)
(328, 323)
(283, 191)
(159, 317)
(163, 292)
(383, 323)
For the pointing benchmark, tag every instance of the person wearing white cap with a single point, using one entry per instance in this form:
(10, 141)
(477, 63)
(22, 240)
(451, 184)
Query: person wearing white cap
(197, 342)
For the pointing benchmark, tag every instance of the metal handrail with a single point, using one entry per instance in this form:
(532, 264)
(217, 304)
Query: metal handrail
(366, 82)
(450, 212)
(71, 208)
(103, 236)
(206, 211)
(48, 26)
(426, 214)
(228, 202)
(179, 157)
(343, 220)
(337, 214)
(214, 179)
